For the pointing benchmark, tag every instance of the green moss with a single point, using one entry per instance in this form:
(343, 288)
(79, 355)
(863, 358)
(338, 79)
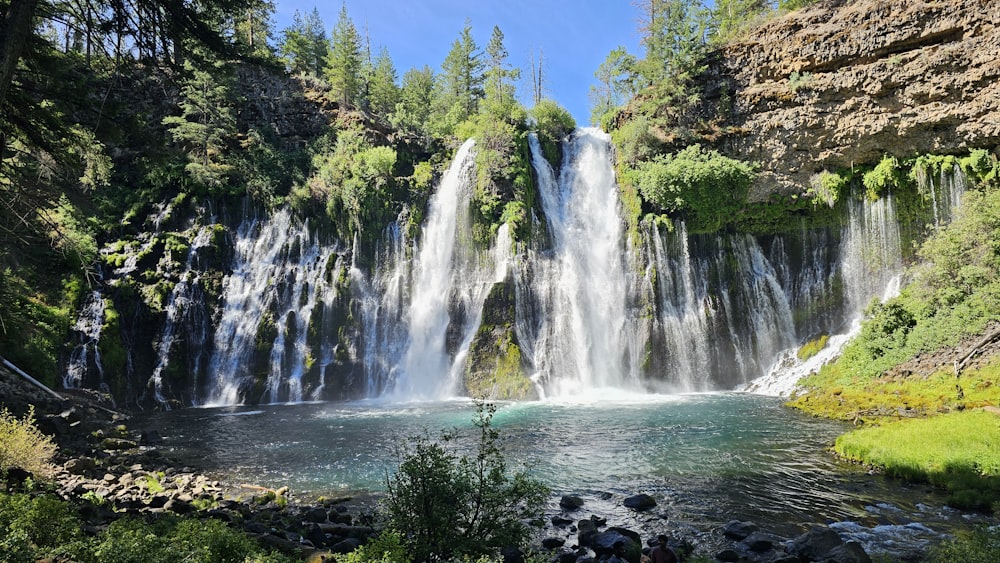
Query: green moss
(495, 369)
(887, 175)
(813, 347)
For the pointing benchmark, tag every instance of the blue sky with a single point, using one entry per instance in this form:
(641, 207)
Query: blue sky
(574, 36)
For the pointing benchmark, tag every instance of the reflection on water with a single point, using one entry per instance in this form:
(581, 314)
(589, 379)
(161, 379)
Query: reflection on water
(706, 458)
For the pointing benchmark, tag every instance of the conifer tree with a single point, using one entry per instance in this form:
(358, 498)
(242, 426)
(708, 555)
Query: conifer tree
(304, 46)
(415, 98)
(462, 77)
(254, 28)
(206, 124)
(500, 77)
(344, 63)
(616, 83)
(383, 92)
(729, 16)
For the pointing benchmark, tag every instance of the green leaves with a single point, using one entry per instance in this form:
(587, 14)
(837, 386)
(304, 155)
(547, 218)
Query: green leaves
(707, 187)
(449, 504)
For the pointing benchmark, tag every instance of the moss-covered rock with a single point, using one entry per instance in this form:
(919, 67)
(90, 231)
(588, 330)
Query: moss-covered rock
(495, 369)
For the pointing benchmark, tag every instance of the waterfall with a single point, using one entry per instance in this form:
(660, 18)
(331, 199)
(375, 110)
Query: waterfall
(88, 329)
(184, 297)
(449, 285)
(277, 275)
(580, 343)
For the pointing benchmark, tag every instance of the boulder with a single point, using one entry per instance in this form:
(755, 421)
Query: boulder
(585, 532)
(570, 502)
(346, 546)
(815, 544)
(553, 542)
(739, 531)
(80, 465)
(150, 438)
(512, 555)
(316, 514)
(639, 502)
(760, 542)
(727, 555)
(849, 552)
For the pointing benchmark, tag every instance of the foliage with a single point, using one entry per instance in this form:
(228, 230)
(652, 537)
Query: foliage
(23, 445)
(32, 527)
(981, 545)
(553, 123)
(813, 347)
(983, 167)
(886, 175)
(206, 124)
(343, 62)
(731, 16)
(304, 46)
(707, 187)
(445, 504)
(617, 83)
(798, 81)
(460, 85)
(791, 5)
(828, 187)
(388, 547)
(416, 97)
(383, 94)
(957, 451)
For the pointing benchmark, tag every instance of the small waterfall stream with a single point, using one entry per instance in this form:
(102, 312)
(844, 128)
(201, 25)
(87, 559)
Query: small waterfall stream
(89, 323)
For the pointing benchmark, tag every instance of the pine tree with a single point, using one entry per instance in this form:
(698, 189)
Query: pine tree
(206, 124)
(729, 16)
(304, 46)
(344, 62)
(415, 98)
(462, 77)
(383, 92)
(616, 83)
(674, 38)
(254, 28)
(500, 77)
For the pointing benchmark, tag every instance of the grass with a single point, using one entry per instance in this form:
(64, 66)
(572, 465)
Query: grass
(833, 393)
(958, 451)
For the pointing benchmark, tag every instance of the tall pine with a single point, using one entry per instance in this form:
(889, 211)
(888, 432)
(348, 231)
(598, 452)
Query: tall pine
(344, 62)
(304, 45)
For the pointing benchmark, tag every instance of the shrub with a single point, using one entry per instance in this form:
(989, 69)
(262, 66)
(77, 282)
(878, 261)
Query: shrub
(448, 504)
(813, 347)
(386, 548)
(886, 175)
(709, 187)
(33, 527)
(23, 445)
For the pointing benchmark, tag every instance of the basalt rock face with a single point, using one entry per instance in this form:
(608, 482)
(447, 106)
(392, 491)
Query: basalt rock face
(841, 84)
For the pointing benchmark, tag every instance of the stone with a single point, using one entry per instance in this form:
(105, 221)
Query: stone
(727, 555)
(553, 543)
(150, 438)
(759, 542)
(739, 531)
(512, 555)
(560, 522)
(585, 532)
(849, 552)
(570, 502)
(815, 544)
(80, 465)
(639, 502)
(346, 546)
(315, 515)
(178, 506)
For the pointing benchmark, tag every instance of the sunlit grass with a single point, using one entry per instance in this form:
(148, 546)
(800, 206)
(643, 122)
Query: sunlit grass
(959, 451)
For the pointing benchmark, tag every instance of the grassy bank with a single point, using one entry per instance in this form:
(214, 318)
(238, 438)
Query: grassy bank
(918, 428)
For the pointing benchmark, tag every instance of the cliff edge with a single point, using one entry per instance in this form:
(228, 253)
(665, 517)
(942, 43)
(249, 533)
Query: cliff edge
(840, 84)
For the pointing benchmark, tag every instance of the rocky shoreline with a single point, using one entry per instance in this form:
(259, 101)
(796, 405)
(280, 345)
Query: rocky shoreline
(108, 471)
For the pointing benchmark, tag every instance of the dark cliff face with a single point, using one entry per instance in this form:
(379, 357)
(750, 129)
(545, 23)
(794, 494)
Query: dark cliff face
(840, 84)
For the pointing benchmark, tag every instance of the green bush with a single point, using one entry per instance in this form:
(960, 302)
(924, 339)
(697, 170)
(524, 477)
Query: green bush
(813, 347)
(886, 175)
(31, 528)
(388, 547)
(707, 187)
(23, 445)
(445, 504)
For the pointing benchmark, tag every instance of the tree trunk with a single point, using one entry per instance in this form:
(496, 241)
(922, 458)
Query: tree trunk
(14, 31)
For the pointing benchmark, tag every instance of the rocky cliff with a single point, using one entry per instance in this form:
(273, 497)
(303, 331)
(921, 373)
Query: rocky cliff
(841, 83)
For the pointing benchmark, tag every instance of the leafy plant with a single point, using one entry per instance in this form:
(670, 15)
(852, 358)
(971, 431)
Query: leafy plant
(979, 546)
(886, 175)
(446, 504)
(23, 445)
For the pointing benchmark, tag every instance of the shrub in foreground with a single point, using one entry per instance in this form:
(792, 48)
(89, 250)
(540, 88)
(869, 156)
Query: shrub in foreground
(23, 445)
(445, 504)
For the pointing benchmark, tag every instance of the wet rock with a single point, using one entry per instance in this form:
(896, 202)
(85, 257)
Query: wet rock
(849, 552)
(315, 515)
(150, 438)
(586, 530)
(639, 502)
(316, 536)
(760, 542)
(553, 543)
(346, 546)
(603, 543)
(512, 555)
(727, 555)
(254, 527)
(739, 530)
(570, 502)
(560, 522)
(815, 544)
(118, 444)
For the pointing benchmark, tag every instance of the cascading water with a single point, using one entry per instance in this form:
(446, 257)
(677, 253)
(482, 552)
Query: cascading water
(88, 328)
(184, 299)
(277, 274)
(579, 343)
